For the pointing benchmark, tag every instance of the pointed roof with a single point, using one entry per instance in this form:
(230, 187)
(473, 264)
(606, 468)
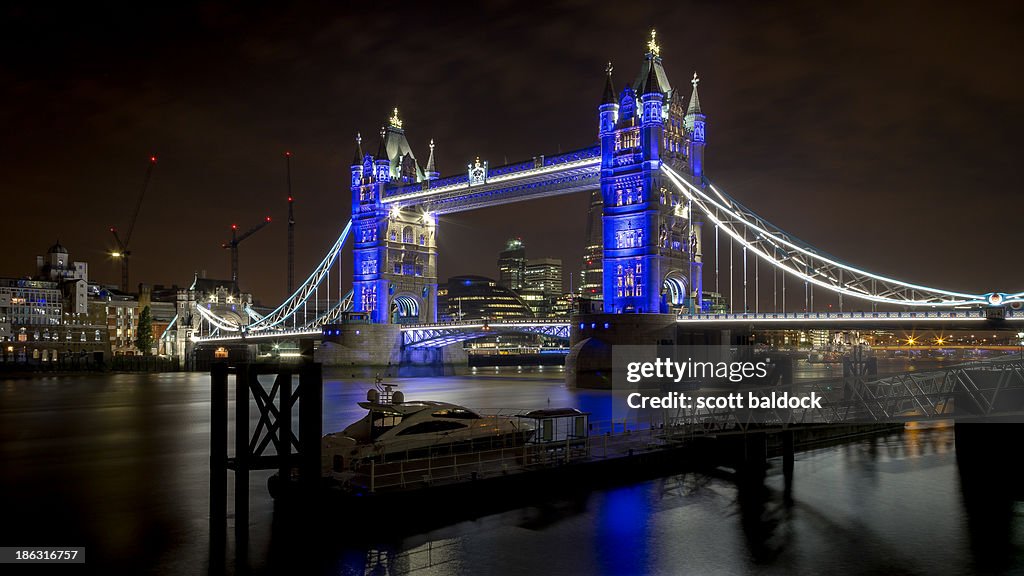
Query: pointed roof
(652, 62)
(382, 149)
(430, 160)
(693, 110)
(651, 83)
(609, 90)
(694, 107)
(358, 158)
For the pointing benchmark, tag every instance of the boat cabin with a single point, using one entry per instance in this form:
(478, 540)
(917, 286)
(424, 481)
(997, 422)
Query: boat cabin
(558, 425)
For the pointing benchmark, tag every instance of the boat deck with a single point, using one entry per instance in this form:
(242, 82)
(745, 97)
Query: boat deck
(444, 466)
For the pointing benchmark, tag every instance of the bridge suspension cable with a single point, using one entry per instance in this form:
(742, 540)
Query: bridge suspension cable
(801, 260)
(308, 288)
(289, 309)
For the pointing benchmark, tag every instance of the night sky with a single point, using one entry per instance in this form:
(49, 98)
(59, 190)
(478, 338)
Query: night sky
(888, 134)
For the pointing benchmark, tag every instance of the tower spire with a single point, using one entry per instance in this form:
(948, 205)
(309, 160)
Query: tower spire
(430, 159)
(609, 89)
(382, 150)
(694, 107)
(358, 158)
(651, 83)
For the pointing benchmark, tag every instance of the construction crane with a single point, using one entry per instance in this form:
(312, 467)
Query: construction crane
(123, 253)
(235, 241)
(291, 226)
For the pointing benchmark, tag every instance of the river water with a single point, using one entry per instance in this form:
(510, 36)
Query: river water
(119, 464)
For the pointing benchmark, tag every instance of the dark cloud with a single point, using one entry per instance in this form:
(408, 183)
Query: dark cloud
(887, 134)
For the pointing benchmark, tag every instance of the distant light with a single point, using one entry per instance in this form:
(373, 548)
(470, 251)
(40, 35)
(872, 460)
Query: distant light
(289, 198)
(152, 159)
(268, 218)
(288, 154)
(234, 226)
(115, 254)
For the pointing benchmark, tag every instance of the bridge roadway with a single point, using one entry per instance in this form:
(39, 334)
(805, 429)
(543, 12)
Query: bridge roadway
(440, 334)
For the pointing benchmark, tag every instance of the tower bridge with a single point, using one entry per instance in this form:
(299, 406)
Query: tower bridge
(667, 232)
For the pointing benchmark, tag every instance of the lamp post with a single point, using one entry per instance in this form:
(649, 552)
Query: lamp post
(1020, 344)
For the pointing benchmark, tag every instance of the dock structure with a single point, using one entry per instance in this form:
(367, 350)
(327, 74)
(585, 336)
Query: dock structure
(273, 430)
(568, 449)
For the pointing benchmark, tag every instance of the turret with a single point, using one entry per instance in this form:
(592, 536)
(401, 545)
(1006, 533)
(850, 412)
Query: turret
(382, 162)
(652, 99)
(608, 116)
(357, 162)
(694, 124)
(431, 171)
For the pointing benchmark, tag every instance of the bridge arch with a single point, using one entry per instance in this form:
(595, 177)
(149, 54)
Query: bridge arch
(405, 309)
(673, 289)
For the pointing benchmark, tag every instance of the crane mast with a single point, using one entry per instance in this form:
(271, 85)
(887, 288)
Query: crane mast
(235, 241)
(291, 225)
(123, 252)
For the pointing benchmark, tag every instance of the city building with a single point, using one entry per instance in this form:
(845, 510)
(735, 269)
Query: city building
(545, 275)
(567, 304)
(47, 318)
(479, 298)
(543, 285)
(162, 303)
(512, 265)
(714, 303)
(72, 277)
(592, 272)
(121, 314)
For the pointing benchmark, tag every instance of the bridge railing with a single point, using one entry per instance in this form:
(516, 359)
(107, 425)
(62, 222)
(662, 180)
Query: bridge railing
(467, 323)
(954, 314)
(978, 388)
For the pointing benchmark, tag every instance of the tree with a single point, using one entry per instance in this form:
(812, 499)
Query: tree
(144, 338)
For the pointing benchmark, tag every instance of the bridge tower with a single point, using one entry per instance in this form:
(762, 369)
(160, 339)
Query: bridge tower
(652, 244)
(395, 252)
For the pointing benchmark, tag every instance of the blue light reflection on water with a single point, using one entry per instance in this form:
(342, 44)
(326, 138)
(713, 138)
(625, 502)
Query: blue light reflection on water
(621, 535)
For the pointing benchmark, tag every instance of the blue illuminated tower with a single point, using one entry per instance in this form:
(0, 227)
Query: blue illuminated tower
(694, 125)
(651, 243)
(395, 251)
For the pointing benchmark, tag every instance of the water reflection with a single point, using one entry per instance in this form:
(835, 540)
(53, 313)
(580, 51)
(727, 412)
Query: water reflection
(120, 464)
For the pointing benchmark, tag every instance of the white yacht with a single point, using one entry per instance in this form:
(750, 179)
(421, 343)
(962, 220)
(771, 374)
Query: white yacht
(394, 428)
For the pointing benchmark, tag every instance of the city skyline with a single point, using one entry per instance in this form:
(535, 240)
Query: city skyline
(897, 127)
